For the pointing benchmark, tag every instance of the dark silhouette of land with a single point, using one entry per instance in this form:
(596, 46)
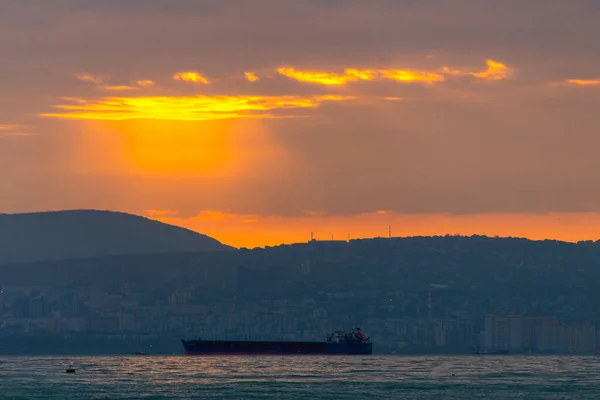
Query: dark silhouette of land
(412, 295)
(88, 233)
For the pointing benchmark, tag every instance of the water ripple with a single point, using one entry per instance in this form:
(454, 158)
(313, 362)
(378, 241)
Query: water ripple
(391, 377)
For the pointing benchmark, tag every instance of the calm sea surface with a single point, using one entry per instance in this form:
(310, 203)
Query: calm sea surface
(387, 377)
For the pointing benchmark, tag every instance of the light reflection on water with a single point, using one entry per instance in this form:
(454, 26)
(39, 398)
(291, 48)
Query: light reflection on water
(271, 377)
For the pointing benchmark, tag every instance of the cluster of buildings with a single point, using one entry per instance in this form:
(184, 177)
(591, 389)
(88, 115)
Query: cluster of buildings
(518, 334)
(178, 313)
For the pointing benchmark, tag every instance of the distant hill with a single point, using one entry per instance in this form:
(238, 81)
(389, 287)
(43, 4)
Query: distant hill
(62, 235)
(472, 276)
(404, 291)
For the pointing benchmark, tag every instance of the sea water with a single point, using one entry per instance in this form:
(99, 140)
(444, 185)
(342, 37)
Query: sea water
(273, 377)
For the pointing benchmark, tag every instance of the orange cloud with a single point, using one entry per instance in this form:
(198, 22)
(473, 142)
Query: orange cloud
(407, 75)
(448, 71)
(160, 213)
(90, 78)
(214, 216)
(495, 71)
(100, 80)
(583, 82)
(327, 78)
(191, 76)
(145, 82)
(185, 108)
(13, 130)
(250, 76)
(118, 88)
(312, 213)
(576, 82)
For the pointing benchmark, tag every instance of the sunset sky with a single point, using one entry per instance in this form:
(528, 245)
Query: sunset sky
(259, 121)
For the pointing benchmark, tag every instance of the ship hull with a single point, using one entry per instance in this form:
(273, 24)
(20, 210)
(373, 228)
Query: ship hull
(251, 348)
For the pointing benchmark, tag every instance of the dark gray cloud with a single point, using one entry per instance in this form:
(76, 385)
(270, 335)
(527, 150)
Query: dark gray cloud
(116, 6)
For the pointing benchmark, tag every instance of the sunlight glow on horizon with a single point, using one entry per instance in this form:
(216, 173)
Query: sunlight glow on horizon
(218, 153)
(200, 147)
(259, 231)
(223, 116)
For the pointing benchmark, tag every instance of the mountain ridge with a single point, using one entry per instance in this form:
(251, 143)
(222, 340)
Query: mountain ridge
(72, 234)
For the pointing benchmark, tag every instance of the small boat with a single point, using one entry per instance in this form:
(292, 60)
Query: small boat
(142, 352)
(491, 352)
(70, 370)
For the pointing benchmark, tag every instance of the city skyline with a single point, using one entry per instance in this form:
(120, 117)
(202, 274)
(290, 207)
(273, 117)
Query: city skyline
(445, 295)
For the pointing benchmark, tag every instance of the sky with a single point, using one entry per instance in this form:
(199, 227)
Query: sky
(258, 122)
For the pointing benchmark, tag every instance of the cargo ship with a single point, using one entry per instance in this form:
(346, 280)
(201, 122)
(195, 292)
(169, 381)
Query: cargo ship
(354, 342)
